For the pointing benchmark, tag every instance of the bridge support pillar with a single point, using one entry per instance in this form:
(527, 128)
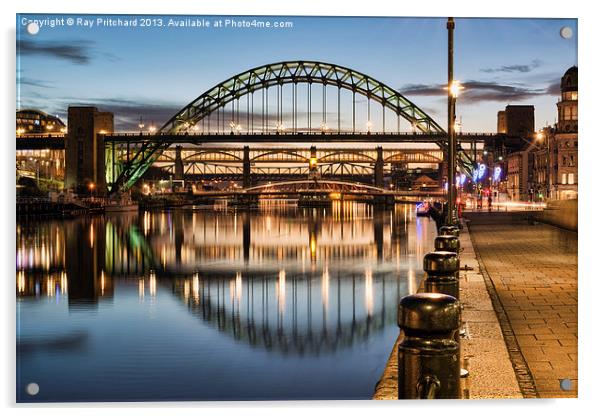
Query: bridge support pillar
(313, 162)
(179, 167)
(379, 167)
(246, 168)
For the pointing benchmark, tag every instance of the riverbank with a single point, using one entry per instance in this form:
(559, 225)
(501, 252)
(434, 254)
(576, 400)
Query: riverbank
(484, 352)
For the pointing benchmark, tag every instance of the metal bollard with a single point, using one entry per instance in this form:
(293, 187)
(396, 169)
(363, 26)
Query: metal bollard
(429, 356)
(442, 269)
(447, 243)
(449, 230)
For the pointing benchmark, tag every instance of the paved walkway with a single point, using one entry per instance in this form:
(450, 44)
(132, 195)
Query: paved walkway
(533, 269)
(484, 352)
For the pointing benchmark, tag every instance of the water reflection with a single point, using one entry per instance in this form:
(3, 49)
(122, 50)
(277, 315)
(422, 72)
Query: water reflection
(295, 283)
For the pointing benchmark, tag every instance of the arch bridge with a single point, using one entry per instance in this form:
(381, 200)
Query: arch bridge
(280, 98)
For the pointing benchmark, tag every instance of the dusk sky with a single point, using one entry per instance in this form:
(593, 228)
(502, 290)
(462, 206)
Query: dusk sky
(153, 72)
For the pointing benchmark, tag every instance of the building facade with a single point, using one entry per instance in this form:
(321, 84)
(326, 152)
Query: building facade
(556, 165)
(35, 121)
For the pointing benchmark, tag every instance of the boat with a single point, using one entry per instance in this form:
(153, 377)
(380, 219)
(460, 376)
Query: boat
(123, 203)
(314, 200)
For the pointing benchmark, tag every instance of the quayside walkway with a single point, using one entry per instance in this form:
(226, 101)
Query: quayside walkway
(532, 268)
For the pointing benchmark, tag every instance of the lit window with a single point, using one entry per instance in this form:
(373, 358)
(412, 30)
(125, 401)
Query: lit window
(564, 178)
(571, 178)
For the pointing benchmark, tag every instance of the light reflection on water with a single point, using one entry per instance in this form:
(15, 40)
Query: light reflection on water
(207, 304)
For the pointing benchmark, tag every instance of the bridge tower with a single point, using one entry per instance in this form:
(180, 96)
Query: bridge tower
(313, 163)
(85, 149)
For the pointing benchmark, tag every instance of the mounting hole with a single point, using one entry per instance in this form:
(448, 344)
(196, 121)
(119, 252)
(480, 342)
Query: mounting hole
(566, 384)
(33, 28)
(32, 389)
(566, 32)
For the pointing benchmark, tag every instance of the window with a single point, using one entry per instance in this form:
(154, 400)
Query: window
(571, 178)
(563, 160)
(572, 160)
(564, 178)
(574, 96)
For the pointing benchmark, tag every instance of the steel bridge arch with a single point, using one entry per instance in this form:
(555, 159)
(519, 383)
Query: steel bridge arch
(231, 155)
(357, 185)
(363, 157)
(263, 77)
(288, 72)
(299, 158)
(406, 158)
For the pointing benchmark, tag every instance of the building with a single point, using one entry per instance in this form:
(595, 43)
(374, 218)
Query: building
(519, 177)
(556, 158)
(85, 149)
(564, 164)
(502, 127)
(36, 121)
(520, 120)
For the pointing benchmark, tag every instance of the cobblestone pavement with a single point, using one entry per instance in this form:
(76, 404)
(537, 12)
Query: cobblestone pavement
(534, 271)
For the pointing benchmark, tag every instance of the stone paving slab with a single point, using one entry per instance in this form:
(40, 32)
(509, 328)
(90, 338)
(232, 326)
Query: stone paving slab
(533, 268)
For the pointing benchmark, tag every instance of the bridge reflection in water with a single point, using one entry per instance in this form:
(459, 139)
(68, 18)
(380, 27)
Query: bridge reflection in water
(282, 280)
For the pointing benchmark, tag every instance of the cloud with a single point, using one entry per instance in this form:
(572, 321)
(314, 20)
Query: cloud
(33, 82)
(78, 52)
(478, 91)
(554, 87)
(514, 68)
(128, 112)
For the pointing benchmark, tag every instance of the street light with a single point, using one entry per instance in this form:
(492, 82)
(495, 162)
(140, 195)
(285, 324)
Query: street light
(539, 136)
(454, 88)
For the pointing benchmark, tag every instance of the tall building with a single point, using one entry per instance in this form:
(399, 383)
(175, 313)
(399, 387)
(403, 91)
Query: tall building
(556, 160)
(564, 158)
(520, 120)
(85, 149)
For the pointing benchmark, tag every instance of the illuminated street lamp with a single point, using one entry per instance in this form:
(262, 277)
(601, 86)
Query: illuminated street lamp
(455, 88)
(369, 126)
(152, 129)
(140, 125)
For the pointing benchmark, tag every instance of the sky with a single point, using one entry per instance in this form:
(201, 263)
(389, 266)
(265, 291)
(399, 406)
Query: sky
(152, 72)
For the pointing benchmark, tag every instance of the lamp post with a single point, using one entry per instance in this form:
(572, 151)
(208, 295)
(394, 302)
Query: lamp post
(453, 88)
(539, 136)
